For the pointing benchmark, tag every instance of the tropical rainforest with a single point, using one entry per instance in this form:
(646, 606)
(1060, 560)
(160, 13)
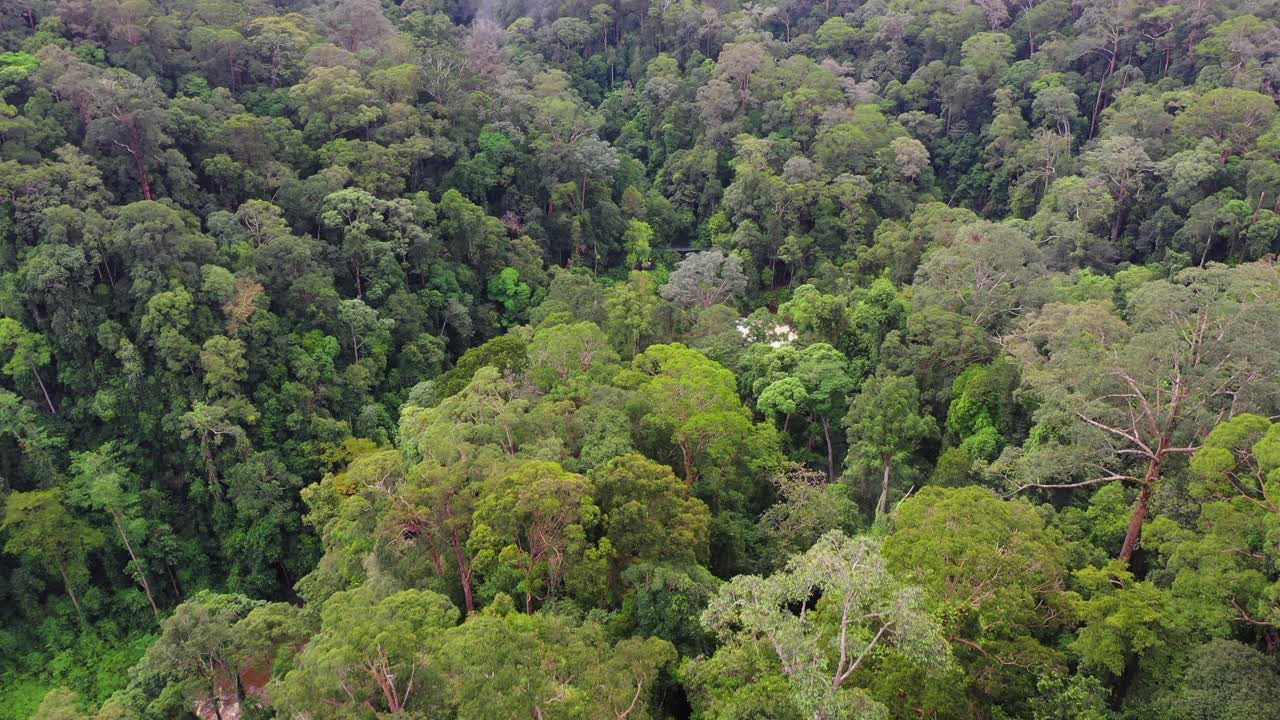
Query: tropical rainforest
(639, 359)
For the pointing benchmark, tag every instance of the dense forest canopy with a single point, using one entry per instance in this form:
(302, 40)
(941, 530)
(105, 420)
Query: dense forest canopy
(786, 359)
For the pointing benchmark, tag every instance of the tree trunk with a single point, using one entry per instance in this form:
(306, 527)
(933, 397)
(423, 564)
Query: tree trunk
(142, 575)
(173, 580)
(831, 455)
(882, 508)
(106, 263)
(139, 162)
(1134, 532)
(686, 459)
(1115, 226)
(44, 391)
(528, 593)
(211, 467)
(1097, 102)
(388, 692)
(464, 571)
(75, 601)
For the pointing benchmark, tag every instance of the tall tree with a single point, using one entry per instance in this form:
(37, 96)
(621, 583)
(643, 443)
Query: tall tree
(103, 483)
(534, 520)
(884, 425)
(704, 279)
(28, 352)
(370, 656)
(39, 525)
(819, 621)
(1149, 389)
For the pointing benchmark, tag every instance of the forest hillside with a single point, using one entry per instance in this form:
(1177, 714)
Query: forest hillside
(639, 360)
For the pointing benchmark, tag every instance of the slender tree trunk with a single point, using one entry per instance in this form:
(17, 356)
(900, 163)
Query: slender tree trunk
(355, 262)
(173, 580)
(142, 575)
(528, 593)
(464, 571)
(882, 508)
(44, 391)
(211, 467)
(139, 162)
(831, 453)
(1097, 102)
(75, 601)
(106, 263)
(1134, 531)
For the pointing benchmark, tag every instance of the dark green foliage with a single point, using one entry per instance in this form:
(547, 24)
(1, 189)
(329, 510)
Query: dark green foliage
(1226, 680)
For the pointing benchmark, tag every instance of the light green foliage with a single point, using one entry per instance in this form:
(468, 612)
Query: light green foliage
(560, 352)
(533, 524)
(631, 313)
(638, 242)
(955, 542)
(988, 54)
(38, 525)
(982, 411)
(648, 515)
(989, 273)
(506, 289)
(1124, 618)
(222, 359)
(369, 654)
(992, 573)
(782, 397)
(1240, 458)
(27, 352)
(1074, 697)
(1232, 116)
(103, 483)
(694, 401)
(812, 653)
(59, 704)
(515, 665)
(333, 100)
(1225, 571)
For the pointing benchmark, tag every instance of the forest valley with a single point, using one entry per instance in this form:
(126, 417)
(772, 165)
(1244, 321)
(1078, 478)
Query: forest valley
(639, 359)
